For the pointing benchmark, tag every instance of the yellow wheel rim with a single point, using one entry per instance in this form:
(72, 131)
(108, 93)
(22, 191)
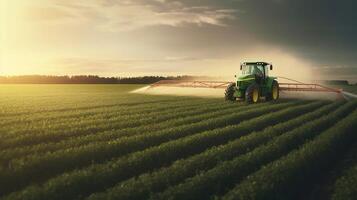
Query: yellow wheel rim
(275, 92)
(255, 95)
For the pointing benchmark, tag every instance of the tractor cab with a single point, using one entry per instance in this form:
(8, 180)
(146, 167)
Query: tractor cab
(259, 70)
(253, 83)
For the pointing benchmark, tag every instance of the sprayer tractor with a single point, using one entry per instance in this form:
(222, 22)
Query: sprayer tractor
(253, 84)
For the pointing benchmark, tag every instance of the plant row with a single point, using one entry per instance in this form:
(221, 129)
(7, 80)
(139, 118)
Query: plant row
(141, 187)
(54, 142)
(345, 184)
(345, 187)
(297, 171)
(80, 140)
(74, 113)
(37, 120)
(108, 118)
(72, 105)
(57, 162)
(222, 177)
(100, 176)
(117, 123)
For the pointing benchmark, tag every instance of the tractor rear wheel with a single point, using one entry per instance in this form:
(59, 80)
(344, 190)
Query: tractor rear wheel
(274, 94)
(229, 93)
(252, 93)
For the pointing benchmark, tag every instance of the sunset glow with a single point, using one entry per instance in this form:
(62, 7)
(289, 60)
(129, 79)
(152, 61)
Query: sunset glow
(154, 37)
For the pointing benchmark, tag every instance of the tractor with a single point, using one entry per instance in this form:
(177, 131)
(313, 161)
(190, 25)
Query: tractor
(253, 84)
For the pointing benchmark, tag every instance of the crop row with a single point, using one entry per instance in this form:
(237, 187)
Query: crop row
(52, 135)
(46, 142)
(43, 110)
(141, 187)
(343, 182)
(297, 171)
(216, 180)
(105, 117)
(85, 110)
(66, 101)
(345, 187)
(59, 117)
(45, 100)
(26, 169)
(172, 120)
(99, 176)
(87, 127)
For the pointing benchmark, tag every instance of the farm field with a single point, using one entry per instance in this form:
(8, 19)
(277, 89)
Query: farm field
(103, 142)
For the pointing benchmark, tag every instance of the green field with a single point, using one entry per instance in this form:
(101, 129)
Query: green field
(102, 142)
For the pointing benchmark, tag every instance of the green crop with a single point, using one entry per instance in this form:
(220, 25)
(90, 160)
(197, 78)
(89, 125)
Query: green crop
(181, 169)
(279, 179)
(69, 159)
(345, 186)
(227, 173)
(103, 142)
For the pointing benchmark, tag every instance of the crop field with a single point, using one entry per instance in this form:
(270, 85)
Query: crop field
(103, 142)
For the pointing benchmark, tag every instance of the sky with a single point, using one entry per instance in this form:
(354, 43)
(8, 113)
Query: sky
(313, 39)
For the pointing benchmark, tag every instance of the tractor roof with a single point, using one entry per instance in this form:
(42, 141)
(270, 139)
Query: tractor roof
(256, 63)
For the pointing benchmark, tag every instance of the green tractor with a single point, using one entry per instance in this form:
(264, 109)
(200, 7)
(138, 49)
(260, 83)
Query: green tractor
(253, 84)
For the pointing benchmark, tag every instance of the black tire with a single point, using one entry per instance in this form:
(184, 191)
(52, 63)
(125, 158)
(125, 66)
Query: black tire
(249, 93)
(270, 96)
(229, 93)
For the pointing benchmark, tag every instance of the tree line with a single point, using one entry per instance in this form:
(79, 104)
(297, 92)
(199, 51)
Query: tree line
(86, 79)
(94, 79)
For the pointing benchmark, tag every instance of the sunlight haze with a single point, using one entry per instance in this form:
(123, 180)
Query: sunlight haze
(164, 37)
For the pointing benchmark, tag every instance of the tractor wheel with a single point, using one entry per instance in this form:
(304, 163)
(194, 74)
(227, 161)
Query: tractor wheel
(252, 93)
(274, 94)
(229, 94)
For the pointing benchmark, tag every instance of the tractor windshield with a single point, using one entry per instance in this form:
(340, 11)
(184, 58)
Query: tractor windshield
(253, 69)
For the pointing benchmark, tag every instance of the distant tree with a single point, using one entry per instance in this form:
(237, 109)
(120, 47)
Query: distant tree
(337, 82)
(87, 79)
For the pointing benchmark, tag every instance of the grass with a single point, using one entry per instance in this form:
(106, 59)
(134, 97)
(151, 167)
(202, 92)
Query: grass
(102, 142)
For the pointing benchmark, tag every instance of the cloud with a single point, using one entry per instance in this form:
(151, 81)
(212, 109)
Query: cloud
(126, 15)
(320, 33)
(50, 13)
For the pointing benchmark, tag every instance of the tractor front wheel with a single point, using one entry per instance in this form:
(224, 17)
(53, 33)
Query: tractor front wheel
(252, 93)
(229, 94)
(274, 94)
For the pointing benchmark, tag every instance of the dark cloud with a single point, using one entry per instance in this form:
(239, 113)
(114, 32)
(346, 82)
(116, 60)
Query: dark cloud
(320, 31)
